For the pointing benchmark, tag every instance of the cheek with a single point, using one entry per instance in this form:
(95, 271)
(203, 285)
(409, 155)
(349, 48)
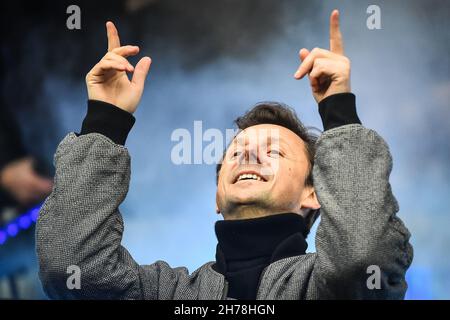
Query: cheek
(291, 179)
(224, 179)
(291, 172)
(295, 174)
(221, 186)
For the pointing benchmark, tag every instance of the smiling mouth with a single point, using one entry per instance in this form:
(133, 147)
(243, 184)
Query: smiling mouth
(249, 177)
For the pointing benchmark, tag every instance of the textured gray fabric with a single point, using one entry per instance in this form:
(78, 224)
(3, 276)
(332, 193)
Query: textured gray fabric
(80, 224)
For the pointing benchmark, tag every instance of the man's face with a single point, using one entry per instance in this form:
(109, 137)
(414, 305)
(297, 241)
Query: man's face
(263, 172)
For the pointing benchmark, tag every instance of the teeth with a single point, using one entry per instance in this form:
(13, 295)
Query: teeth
(249, 176)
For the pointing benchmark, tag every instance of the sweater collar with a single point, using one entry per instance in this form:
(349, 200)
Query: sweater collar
(274, 237)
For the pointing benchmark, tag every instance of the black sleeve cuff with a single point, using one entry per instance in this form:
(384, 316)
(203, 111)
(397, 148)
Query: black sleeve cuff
(108, 120)
(338, 110)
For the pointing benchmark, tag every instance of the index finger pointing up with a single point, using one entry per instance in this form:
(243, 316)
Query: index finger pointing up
(336, 43)
(113, 36)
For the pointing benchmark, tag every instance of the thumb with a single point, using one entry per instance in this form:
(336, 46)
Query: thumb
(141, 71)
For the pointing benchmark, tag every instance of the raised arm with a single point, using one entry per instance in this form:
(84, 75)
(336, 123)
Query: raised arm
(80, 228)
(359, 231)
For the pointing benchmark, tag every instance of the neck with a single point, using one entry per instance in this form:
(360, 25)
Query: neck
(248, 211)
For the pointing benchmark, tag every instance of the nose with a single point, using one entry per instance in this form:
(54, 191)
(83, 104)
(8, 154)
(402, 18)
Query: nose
(250, 155)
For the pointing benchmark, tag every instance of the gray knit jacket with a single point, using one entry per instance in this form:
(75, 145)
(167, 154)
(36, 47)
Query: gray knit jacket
(80, 224)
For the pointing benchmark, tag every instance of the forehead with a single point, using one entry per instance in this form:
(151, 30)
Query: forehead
(268, 133)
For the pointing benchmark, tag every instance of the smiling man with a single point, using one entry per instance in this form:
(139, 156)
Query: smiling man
(272, 182)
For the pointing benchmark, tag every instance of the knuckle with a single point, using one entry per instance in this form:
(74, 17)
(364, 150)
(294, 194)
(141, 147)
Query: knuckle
(116, 51)
(110, 55)
(345, 69)
(122, 49)
(319, 64)
(346, 60)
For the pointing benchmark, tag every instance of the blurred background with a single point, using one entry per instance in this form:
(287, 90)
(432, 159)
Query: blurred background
(212, 60)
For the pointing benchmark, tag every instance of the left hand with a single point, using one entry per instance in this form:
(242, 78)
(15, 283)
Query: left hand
(328, 70)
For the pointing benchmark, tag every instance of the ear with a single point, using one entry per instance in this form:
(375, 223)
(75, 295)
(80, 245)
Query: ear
(309, 199)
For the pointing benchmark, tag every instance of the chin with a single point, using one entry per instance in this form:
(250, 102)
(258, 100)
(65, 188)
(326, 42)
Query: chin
(247, 197)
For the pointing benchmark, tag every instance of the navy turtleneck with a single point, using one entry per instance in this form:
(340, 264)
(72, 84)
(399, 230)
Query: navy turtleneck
(247, 246)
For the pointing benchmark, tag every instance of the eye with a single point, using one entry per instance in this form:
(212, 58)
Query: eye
(236, 154)
(274, 153)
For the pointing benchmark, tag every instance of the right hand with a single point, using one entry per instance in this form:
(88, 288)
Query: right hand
(107, 81)
(328, 70)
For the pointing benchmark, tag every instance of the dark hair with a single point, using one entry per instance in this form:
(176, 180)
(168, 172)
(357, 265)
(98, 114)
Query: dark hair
(282, 115)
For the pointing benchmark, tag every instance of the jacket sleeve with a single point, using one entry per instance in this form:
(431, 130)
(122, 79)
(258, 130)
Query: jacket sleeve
(80, 226)
(359, 230)
(79, 230)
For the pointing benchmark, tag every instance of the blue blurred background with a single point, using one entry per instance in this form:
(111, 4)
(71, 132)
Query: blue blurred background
(212, 60)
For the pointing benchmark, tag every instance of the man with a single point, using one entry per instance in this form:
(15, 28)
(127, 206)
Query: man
(268, 190)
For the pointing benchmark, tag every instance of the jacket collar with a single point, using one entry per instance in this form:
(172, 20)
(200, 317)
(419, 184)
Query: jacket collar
(270, 238)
